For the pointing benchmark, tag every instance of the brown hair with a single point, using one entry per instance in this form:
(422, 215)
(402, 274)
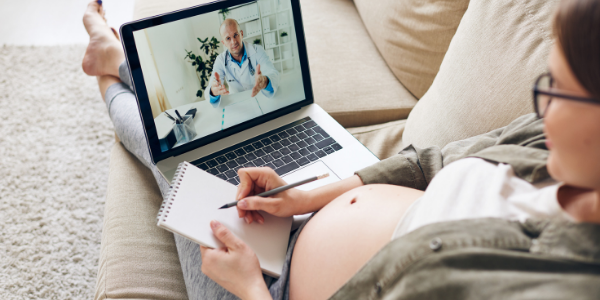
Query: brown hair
(577, 28)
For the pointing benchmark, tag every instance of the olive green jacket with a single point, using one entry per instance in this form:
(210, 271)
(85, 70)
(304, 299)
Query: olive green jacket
(484, 259)
(521, 144)
(480, 258)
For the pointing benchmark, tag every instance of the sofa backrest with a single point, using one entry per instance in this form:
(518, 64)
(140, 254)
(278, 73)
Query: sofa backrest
(485, 79)
(412, 35)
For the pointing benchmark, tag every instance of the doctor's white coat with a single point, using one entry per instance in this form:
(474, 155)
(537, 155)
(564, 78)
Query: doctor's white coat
(240, 79)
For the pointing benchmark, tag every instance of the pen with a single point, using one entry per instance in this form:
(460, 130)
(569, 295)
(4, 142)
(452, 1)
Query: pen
(178, 115)
(169, 116)
(279, 189)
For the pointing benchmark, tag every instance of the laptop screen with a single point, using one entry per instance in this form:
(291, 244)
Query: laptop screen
(209, 71)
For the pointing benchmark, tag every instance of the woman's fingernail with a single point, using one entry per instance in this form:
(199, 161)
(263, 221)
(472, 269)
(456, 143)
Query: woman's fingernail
(247, 219)
(243, 204)
(239, 191)
(261, 221)
(214, 224)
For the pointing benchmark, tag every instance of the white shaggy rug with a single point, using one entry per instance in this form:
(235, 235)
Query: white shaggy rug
(55, 138)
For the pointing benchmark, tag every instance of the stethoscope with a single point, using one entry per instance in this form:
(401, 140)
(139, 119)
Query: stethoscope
(249, 62)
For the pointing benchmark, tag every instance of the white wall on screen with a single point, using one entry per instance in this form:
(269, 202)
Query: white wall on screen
(169, 42)
(151, 77)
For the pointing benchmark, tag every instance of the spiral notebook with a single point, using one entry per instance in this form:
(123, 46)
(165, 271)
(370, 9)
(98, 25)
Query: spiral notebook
(193, 201)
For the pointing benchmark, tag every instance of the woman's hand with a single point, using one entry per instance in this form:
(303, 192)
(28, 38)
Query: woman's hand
(235, 266)
(254, 181)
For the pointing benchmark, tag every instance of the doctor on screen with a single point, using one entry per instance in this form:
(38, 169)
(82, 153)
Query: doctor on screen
(243, 66)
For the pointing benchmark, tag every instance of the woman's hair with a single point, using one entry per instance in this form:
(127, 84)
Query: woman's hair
(577, 28)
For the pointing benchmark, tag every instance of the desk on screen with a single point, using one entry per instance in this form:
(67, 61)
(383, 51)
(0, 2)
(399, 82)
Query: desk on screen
(234, 108)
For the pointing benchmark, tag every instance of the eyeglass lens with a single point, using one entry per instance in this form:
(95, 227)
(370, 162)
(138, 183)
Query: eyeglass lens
(545, 84)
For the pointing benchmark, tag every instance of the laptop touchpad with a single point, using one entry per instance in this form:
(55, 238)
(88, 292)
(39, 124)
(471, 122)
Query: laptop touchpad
(316, 169)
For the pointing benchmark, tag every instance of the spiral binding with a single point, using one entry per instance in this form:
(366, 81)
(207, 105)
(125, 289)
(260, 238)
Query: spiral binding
(165, 207)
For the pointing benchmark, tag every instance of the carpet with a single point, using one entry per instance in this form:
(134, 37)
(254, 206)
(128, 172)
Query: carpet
(55, 140)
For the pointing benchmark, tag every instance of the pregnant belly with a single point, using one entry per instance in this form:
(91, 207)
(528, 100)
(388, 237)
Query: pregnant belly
(343, 236)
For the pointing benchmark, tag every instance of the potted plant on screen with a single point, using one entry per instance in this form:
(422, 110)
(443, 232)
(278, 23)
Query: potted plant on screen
(224, 13)
(257, 42)
(202, 66)
(284, 37)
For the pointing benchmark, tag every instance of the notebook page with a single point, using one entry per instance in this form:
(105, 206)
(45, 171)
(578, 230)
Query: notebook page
(195, 203)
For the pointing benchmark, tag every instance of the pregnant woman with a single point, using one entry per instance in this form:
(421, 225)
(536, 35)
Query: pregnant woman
(356, 217)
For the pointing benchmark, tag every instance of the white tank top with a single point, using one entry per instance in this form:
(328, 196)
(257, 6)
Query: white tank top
(473, 188)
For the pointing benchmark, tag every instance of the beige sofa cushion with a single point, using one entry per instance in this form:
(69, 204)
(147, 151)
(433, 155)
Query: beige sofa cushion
(351, 81)
(486, 77)
(384, 140)
(131, 241)
(412, 35)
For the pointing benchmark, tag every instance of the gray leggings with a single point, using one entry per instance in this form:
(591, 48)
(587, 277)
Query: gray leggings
(123, 110)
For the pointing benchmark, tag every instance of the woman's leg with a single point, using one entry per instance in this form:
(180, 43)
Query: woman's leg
(123, 111)
(343, 236)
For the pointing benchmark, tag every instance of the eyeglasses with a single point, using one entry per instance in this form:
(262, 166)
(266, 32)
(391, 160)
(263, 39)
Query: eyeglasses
(544, 92)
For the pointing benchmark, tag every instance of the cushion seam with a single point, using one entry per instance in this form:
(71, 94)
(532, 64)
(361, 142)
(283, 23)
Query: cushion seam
(537, 24)
(349, 112)
(371, 130)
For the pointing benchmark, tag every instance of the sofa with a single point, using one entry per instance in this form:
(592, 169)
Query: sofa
(393, 72)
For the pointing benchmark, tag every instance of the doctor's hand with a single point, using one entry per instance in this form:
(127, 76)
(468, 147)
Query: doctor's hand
(217, 88)
(234, 266)
(261, 81)
(254, 181)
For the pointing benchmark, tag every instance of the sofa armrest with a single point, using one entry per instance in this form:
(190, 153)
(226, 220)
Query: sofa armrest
(137, 258)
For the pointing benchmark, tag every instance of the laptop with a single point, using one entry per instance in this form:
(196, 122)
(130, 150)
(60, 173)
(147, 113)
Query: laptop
(172, 58)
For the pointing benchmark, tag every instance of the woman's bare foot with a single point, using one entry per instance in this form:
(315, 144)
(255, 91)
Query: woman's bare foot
(104, 53)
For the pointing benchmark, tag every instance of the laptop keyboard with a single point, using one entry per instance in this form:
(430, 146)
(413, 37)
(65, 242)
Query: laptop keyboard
(284, 149)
